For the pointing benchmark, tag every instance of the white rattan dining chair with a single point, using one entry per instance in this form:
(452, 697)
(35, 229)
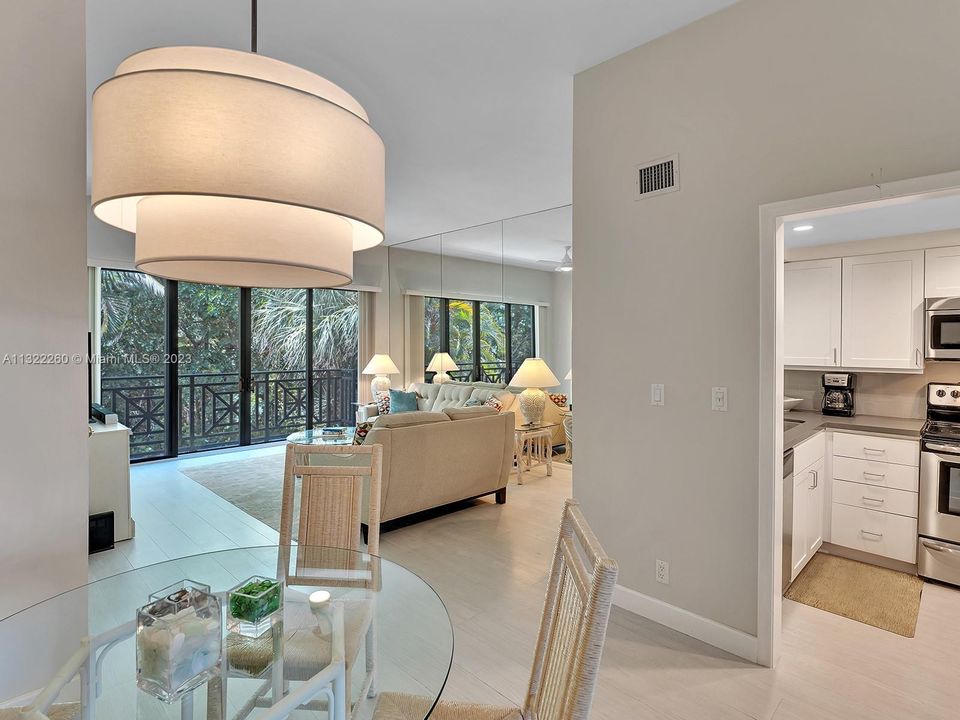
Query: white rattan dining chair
(332, 484)
(569, 645)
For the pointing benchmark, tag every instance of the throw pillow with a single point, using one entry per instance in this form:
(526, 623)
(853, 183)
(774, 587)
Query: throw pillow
(383, 402)
(401, 401)
(472, 402)
(360, 434)
(559, 399)
(494, 403)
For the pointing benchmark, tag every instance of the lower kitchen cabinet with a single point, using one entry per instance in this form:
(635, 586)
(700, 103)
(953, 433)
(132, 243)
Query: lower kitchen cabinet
(808, 514)
(875, 495)
(873, 531)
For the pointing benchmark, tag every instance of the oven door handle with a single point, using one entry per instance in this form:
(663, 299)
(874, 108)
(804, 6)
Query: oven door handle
(937, 547)
(941, 447)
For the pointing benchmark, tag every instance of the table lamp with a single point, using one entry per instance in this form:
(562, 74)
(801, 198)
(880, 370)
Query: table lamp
(534, 375)
(380, 366)
(439, 364)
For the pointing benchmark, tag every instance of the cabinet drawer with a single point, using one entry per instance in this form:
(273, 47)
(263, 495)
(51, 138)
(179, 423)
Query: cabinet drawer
(879, 449)
(898, 502)
(892, 536)
(809, 451)
(881, 474)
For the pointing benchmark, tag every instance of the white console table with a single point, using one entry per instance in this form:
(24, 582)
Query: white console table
(110, 476)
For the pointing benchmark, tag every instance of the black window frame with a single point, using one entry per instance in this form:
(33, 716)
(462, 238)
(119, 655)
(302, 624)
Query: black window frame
(476, 371)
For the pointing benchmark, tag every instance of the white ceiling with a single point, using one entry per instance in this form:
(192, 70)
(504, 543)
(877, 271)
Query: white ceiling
(877, 220)
(473, 99)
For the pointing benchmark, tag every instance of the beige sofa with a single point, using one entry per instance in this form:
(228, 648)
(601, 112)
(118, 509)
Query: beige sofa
(431, 459)
(436, 398)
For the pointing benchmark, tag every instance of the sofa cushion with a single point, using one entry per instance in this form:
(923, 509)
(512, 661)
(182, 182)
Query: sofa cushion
(467, 413)
(452, 395)
(493, 402)
(382, 399)
(360, 434)
(426, 394)
(401, 402)
(419, 417)
(559, 399)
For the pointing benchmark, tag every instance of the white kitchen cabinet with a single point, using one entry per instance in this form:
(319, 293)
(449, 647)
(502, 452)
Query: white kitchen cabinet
(882, 301)
(808, 514)
(809, 480)
(816, 481)
(942, 273)
(811, 313)
(874, 494)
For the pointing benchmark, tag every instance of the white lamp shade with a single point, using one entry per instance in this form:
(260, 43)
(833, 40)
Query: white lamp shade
(569, 375)
(534, 373)
(381, 365)
(257, 172)
(441, 362)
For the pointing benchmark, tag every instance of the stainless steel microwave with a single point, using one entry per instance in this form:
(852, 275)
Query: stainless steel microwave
(943, 328)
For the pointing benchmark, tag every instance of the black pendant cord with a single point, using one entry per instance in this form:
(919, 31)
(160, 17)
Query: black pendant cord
(253, 26)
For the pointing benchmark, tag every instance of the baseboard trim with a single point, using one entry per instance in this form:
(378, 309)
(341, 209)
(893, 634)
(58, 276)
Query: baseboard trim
(733, 641)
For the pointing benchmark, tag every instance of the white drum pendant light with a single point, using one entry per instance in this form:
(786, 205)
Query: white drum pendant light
(237, 169)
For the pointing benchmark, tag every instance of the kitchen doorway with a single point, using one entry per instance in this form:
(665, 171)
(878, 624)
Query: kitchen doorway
(775, 218)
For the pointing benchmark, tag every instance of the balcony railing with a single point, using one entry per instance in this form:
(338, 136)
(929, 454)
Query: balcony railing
(209, 407)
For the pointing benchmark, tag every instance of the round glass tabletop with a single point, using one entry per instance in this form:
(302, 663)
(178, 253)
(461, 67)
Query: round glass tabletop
(323, 436)
(263, 632)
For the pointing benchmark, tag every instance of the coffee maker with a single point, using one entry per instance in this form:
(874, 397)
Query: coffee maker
(838, 394)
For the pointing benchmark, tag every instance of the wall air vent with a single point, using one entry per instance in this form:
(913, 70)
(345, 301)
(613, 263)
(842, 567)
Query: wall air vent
(657, 177)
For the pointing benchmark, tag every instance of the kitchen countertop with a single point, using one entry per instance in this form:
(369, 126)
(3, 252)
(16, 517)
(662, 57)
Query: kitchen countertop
(814, 422)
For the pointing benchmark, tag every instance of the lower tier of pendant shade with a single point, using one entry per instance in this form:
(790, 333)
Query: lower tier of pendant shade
(236, 241)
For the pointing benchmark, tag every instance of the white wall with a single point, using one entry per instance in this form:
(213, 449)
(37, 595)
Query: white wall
(43, 309)
(767, 100)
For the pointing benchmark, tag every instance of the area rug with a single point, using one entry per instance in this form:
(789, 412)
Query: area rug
(886, 599)
(253, 484)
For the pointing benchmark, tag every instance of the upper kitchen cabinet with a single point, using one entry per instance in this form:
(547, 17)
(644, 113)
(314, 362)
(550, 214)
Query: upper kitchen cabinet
(882, 303)
(942, 277)
(811, 313)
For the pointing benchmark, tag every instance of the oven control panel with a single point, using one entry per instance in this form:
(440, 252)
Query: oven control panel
(943, 395)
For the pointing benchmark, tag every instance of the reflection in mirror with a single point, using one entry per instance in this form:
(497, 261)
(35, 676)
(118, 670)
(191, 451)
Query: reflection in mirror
(473, 304)
(538, 264)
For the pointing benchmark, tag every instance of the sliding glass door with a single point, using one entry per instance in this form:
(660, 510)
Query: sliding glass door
(278, 363)
(131, 365)
(209, 388)
(193, 367)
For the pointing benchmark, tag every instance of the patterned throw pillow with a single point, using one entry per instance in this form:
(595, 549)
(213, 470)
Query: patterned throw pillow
(360, 434)
(559, 399)
(383, 402)
(495, 404)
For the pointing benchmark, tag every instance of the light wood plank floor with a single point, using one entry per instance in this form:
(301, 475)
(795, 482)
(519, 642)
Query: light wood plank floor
(489, 564)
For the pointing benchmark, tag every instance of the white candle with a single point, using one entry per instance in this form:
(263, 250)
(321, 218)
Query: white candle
(318, 599)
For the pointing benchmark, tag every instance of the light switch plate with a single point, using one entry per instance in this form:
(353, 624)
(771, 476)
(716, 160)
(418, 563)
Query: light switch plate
(656, 394)
(718, 399)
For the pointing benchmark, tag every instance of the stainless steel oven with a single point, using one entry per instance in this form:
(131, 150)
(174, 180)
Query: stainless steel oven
(938, 549)
(943, 329)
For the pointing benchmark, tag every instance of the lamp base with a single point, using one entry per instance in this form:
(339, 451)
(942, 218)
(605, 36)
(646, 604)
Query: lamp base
(440, 378)
(381, 383)
(532, 403)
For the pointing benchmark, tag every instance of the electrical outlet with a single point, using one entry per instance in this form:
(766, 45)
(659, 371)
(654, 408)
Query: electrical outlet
(718, 399)
(656, 394)
(663, 572)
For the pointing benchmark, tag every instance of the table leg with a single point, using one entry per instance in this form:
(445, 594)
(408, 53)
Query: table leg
(548, 452)
(186, 706)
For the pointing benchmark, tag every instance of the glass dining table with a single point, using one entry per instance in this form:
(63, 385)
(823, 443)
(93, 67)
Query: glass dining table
(330, 631)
